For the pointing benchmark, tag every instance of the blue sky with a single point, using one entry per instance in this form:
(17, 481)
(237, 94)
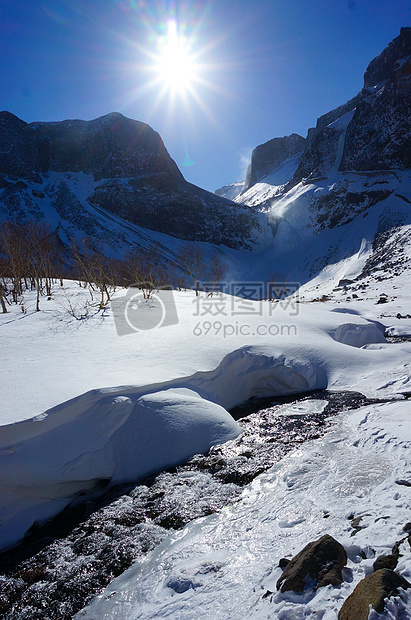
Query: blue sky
(264, 68)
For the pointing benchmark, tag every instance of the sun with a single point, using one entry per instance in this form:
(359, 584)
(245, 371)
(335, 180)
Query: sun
(175, 64)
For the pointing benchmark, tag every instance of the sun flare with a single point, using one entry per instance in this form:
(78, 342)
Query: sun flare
(176, 67)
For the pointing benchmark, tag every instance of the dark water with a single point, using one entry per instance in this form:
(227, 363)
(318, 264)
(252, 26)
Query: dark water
(394, 339)
(62, 565)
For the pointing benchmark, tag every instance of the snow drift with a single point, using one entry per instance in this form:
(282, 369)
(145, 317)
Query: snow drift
(112, 435)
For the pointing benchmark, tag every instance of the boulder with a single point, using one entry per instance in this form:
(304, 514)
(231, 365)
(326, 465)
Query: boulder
(385, 561)
(372, 591)
(320, 561)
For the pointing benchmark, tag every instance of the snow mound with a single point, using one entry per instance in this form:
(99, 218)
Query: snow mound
(358, 335)
(400, 330)
(258, 371)
(114, 435)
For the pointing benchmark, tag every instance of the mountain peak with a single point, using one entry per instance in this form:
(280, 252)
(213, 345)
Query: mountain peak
(130, 175)
(380, 69)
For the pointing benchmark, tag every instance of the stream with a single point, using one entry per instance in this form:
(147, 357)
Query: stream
(62, 565)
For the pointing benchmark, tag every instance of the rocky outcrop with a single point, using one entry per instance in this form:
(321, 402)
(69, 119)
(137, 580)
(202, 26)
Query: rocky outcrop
(379, 135)
(130, 175)
(329, 117)
(372, 591)
(20, 149)
(267, 157)
(320, 562)
(320, 157)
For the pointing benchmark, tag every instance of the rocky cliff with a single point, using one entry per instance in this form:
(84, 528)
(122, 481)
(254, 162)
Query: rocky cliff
(267, 157)
(350, 195)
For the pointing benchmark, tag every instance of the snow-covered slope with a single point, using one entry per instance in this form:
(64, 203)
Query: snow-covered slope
(270, 185)
(231, 191)
(113, 407)
(265, 179)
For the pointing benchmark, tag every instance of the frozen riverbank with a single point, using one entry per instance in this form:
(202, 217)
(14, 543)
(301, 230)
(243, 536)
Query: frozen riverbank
(223, 565)
(161, 416)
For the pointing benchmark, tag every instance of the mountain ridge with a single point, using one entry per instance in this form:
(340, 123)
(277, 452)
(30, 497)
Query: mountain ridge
(345, 187)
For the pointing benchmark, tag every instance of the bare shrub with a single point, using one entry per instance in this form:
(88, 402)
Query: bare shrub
(216, 271)
(96, 269)
(193, 261)
(143, 267)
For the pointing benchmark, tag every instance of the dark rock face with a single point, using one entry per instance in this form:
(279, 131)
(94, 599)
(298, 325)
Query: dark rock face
(321, 561)
(320, 157)
(383, 65)
(19, 148)
(329, 117)
(378, 136)
(269, 156)
(131, 175)
(183, 210)
(109, 147)
(341, 205)
(372, 590)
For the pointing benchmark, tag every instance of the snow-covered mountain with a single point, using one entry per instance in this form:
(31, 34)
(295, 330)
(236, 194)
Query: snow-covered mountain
(372, 131)
(342, 190)
(349, 193)
(95, 178)
(271, 156)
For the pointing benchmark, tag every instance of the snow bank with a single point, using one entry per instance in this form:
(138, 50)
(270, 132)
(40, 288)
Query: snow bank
(258, 371)
(404, 329)
(106, 435)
